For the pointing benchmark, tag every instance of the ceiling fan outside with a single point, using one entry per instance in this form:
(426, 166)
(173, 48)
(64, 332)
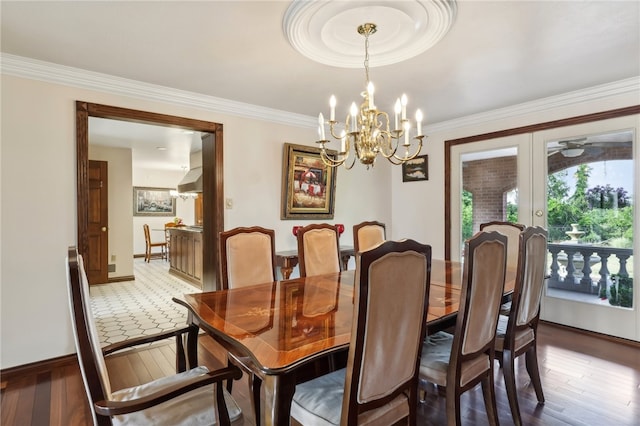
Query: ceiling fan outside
(576, 147)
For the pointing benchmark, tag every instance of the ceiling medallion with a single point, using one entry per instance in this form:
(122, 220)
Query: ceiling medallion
(324, 30)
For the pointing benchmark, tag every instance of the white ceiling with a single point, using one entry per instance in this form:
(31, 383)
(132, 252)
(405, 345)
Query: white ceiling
(496, 54)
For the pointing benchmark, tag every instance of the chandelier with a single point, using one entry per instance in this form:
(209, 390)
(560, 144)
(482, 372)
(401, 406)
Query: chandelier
(367, 131)
(184, 195)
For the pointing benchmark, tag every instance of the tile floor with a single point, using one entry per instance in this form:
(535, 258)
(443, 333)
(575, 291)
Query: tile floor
(128, 309)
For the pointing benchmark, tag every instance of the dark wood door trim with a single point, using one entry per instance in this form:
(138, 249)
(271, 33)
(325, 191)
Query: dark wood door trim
(212, 170)
(581, 119)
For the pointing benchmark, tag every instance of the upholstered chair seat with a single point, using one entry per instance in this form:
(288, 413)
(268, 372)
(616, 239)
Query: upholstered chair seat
(193, 408)
(319, 403)
(522, 338)
(436, 354)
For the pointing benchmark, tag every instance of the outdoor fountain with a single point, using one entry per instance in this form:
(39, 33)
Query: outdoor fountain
(575, 233)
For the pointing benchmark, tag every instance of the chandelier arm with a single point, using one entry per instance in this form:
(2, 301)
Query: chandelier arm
(390, 142)
(411, 157)
(349, 166)
(328, 160)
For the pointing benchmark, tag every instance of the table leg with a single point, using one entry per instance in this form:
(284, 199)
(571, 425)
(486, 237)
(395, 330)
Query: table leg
(345, 261)
(286, 272)
(279, 390)
(192, 346)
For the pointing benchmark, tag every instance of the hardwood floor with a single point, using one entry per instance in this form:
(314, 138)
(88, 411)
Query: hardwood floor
(587, 381)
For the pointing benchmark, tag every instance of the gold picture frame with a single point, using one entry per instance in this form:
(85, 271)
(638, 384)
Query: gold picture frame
(308, 185)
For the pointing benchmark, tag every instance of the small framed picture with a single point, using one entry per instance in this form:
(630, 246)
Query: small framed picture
(153, 202)
(416, 169)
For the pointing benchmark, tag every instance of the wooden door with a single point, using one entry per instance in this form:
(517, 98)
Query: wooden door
(98, 257)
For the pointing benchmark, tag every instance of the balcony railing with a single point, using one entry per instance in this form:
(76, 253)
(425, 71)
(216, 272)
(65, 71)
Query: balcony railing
(570, 271)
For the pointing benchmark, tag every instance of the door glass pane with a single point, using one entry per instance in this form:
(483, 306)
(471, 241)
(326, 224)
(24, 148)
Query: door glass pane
(590, 197)
(489, 189)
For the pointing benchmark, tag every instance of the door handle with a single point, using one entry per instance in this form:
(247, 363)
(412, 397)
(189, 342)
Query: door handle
(103, 229)
(539, 213)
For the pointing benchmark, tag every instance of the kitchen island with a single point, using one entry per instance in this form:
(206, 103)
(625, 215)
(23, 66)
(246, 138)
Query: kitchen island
(185, 253)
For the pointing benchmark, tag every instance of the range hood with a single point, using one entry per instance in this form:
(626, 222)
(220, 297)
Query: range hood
(192, 181)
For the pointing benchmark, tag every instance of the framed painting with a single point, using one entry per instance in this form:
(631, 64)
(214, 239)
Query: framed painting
(153, 202)
(308, 185)
(416, 169)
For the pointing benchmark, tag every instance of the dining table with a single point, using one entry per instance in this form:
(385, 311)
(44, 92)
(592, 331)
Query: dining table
(278, 328)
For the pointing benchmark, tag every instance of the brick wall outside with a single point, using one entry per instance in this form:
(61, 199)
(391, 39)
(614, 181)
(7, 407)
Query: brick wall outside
(489, 180)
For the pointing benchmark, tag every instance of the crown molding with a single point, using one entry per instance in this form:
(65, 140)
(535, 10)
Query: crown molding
(46, 71)
(19, 66)
(602, 91)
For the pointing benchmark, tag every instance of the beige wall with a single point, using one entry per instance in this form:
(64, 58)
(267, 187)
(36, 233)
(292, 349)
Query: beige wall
(38, 211)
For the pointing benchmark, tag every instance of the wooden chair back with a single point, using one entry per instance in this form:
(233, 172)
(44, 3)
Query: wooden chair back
(318, 249)
(149, 245)
(391, 302)
(167, 236)
(187, 397)
(512, 231)
(530, 279)
(247, 256)
(90, 357)
(482, 290)
(367, 235)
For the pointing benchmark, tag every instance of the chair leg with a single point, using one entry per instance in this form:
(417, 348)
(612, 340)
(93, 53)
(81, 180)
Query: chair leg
(229, 382)
(489, 394)
(254, 388)
(510, 384)
(453, 406)
(531, 359)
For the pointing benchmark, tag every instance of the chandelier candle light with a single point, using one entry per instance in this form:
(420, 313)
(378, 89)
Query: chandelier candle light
(367, 130)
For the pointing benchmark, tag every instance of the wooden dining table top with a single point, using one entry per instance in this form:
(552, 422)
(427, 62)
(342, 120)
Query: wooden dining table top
(284, 324)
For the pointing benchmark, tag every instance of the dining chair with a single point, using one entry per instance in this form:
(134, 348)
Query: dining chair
(149, 246)
(512, 231)
(367, 235)
(380, 381)
(460, 361)
(318, 249)
(190, 397)
(167, 237)
(516, 334)
(247, 257)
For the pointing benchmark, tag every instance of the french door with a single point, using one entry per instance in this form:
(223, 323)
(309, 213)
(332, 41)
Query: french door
(590, 262)
(580, 183)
